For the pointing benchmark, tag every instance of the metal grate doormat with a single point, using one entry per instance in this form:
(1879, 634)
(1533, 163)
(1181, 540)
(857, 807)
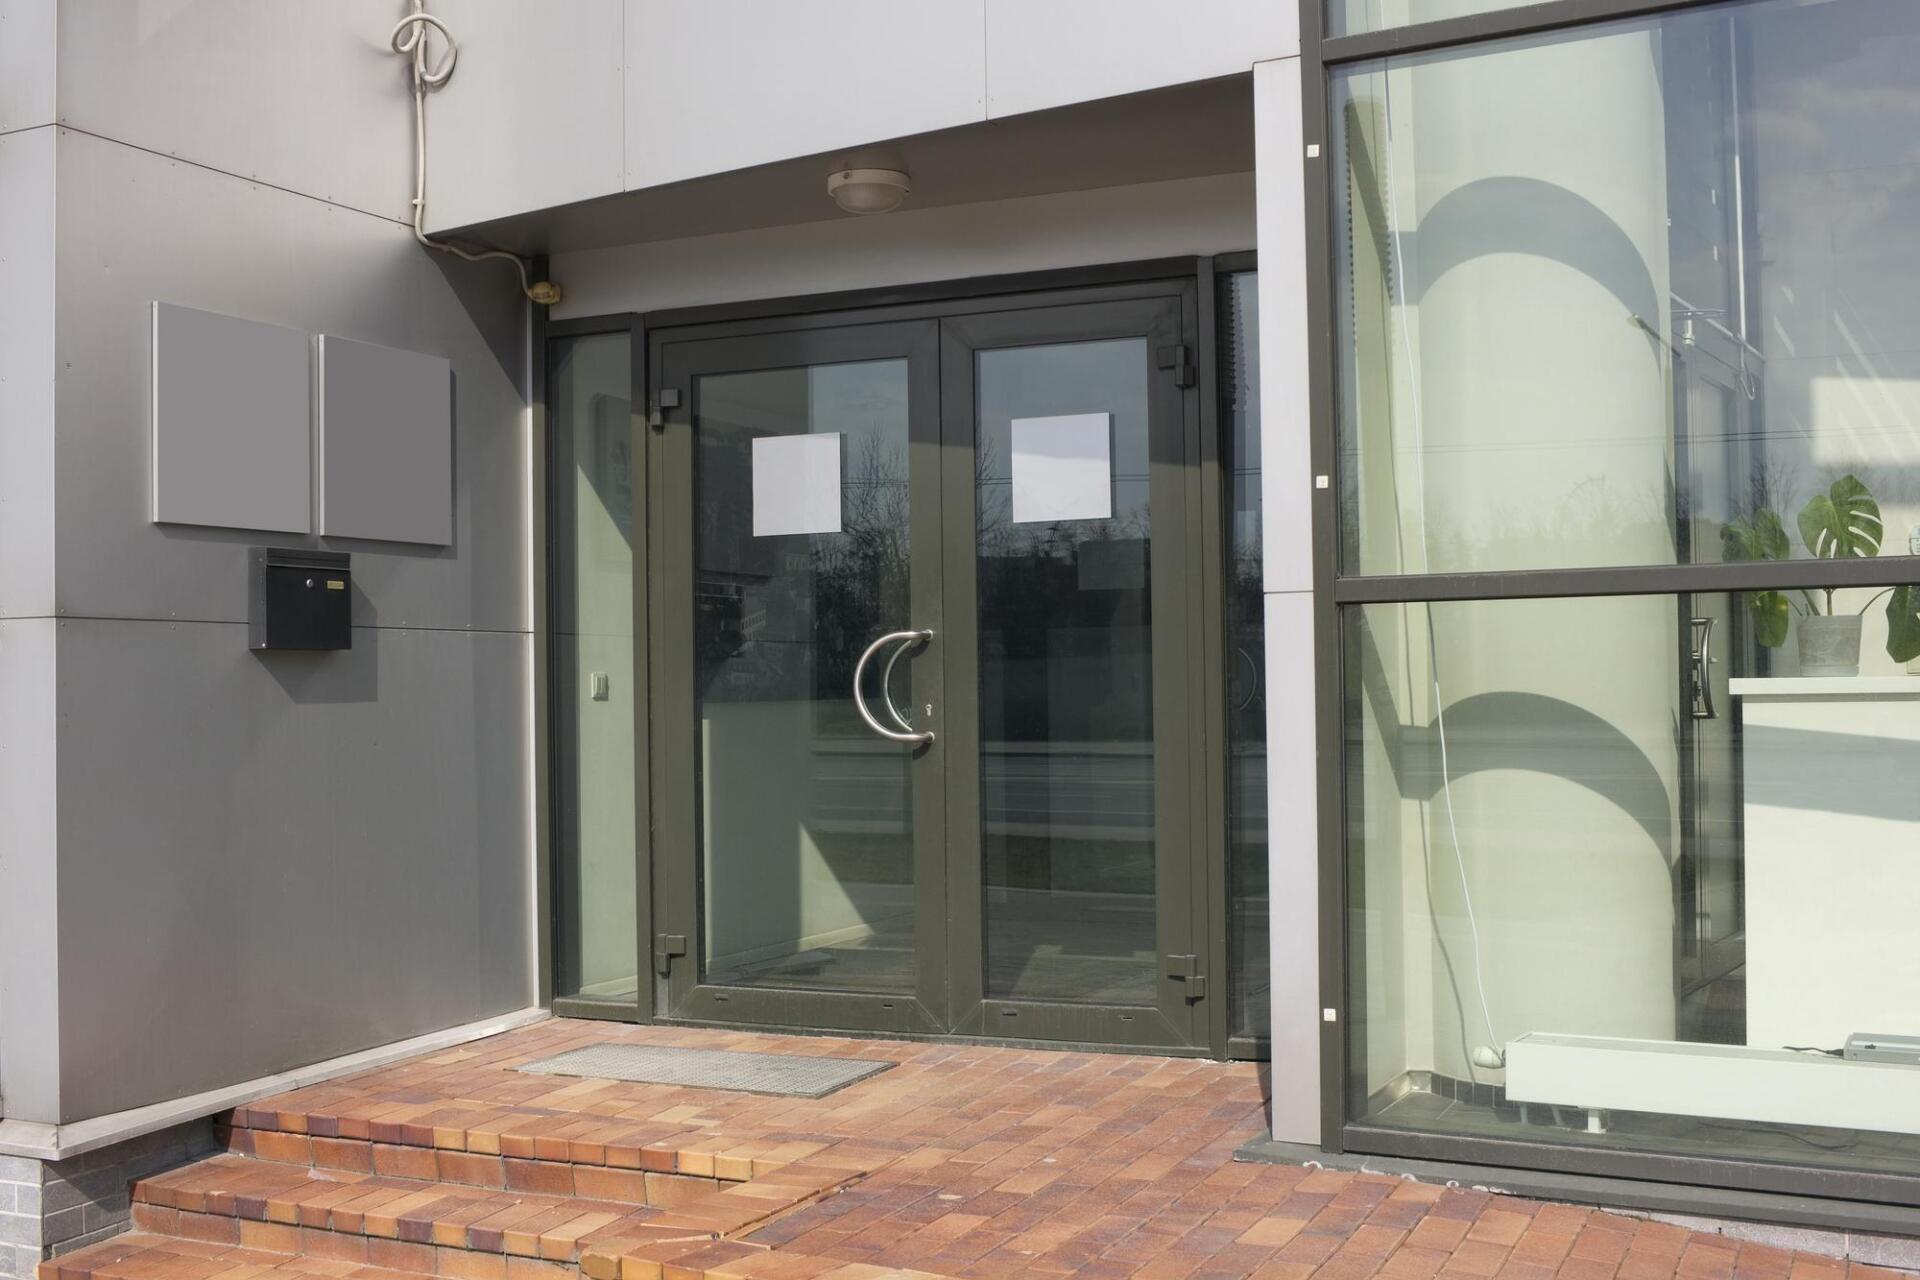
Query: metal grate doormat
(782, 1074)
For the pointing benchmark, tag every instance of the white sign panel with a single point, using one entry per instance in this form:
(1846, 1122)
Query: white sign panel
(796, 485)
(1063, 468)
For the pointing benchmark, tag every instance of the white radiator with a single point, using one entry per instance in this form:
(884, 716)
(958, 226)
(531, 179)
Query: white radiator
(1718, 1081)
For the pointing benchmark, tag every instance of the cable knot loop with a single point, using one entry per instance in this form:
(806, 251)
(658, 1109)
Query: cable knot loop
(409, 40)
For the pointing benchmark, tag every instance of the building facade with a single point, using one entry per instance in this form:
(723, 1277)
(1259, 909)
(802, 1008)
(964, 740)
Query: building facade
(1372, 536)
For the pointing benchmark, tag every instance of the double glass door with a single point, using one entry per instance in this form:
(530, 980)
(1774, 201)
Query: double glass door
(923, 637)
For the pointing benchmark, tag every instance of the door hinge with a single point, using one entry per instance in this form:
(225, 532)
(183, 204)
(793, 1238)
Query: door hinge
(1187, 970)
(666, 946)
(669, 398)
(1179, 359)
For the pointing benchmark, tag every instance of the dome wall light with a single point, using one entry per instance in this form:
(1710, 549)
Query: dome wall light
(868, 190)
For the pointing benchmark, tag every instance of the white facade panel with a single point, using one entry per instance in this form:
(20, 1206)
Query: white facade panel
(27, 61)
(1287, 482)
(1288, 492)
(1293, 866)
(714, 87)
(534, 115)
(29, 844)
(303, 96)
(27, 180)
(1034, 233)
(1049, 53)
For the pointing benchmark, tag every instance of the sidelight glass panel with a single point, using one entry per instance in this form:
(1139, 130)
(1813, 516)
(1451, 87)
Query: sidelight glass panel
(597, 947)
(1626, 872)
(1250, 957)
(1066, 693)
(805, 815)
(1549, 246)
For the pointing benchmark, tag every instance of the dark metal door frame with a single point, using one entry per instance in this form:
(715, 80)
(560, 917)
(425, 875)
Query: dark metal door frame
(1180, 864)
(674, 952)
(949, 999)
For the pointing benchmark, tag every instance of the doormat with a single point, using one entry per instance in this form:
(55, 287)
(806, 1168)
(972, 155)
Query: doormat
(781, 1074)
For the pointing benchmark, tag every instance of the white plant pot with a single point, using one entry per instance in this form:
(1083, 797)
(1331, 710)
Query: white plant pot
(1830, 646)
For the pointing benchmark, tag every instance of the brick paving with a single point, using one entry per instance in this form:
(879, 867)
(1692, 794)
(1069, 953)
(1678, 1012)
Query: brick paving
(962, 1160)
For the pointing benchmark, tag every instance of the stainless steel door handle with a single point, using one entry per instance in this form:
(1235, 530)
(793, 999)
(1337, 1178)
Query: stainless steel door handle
(903, 640)
(1701, 674)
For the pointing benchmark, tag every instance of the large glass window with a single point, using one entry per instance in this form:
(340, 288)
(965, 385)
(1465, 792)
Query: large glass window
(1618, 296)
(591, 415)
(1635, 871)
(1623, 873)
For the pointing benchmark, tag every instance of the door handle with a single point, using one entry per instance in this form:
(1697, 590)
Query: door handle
(1701, 674)
(902, 640)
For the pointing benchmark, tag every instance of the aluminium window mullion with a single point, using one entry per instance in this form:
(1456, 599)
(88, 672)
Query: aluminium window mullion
(1496, 24)
(1537, 584)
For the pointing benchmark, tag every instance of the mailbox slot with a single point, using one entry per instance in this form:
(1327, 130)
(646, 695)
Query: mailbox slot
(299, 599)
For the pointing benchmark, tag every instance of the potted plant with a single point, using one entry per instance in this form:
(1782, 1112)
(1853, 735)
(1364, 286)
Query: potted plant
(1842, 522)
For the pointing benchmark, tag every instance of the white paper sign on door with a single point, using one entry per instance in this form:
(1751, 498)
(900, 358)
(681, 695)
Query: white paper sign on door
(796, 484)
(1063, 468)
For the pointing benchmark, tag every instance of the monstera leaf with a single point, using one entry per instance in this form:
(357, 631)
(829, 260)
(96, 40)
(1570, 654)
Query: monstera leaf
(1761, 536)
(1903, 624)
(1843, 522)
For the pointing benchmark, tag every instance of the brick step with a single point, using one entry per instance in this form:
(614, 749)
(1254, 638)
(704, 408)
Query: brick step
(438, 1228)
(139, 1256)
(540, 1152)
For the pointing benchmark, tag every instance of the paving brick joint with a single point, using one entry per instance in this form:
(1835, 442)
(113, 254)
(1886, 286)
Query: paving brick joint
(962, 1160)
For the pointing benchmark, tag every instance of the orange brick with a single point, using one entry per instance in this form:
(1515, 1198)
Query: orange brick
(542, 1177)
(473, 1169)
(342, 1154)
(276, 1237)
(463, 1264)
(400, 1255)
(390, 1161)
(286, 1148)
(629, 1186)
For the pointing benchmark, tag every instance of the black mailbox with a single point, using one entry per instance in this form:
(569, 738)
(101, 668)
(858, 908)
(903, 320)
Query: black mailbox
(299, 599)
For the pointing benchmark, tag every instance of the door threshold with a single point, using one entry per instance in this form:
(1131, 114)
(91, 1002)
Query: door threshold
(1002, 1042)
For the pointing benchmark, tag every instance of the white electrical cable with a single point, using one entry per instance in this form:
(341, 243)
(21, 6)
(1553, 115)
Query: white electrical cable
(1433, 643)
(409, 40)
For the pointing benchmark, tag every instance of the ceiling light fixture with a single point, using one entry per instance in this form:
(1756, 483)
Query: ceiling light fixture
(868, 190)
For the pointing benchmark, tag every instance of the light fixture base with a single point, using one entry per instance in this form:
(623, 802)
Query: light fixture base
(868, 190)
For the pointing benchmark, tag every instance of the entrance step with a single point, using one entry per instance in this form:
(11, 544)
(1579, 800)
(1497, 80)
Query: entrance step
(535, 1152)
(245, 1215)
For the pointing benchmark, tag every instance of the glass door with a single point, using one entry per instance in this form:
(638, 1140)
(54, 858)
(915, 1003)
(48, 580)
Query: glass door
(926, 642)
(797, 616)
(1071, 859)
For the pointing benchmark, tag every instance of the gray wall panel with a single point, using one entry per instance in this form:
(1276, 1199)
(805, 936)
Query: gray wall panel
(383, 430)
(29, 1007)
(303, 96)
(26, 373)
(266, 860)
(134, 226)
(232, 403)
